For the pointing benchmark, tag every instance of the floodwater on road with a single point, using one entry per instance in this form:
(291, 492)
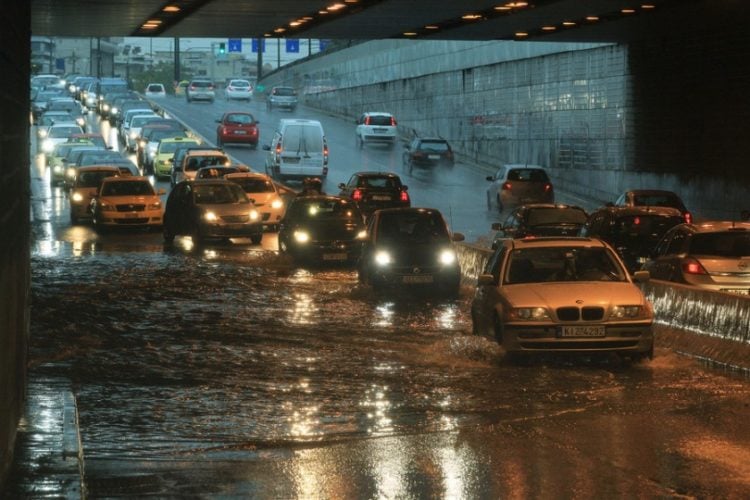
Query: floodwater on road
(225, 370)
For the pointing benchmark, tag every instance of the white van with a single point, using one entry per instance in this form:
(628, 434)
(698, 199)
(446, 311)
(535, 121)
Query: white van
(298, 150)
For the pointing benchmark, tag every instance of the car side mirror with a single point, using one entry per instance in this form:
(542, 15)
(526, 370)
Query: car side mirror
(405, 187)
(161, 192)
(217, 121)
(490, 178)
(458, 237)
(266, 147)
(342, 185)
(641, 276)
(110, 147)
(485, 280)
(497, 226)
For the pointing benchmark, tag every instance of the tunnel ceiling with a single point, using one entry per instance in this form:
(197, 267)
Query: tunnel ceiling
(543, 20)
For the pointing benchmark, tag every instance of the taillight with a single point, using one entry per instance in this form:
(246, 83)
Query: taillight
(367, 120)
(688, 218)
(637, 221)
(547, 187)
(325, 154)
(224, 130)
(393, 122)
(507, 186)
(278, 149)
(692, 266)
(357, 195)
(404, 196)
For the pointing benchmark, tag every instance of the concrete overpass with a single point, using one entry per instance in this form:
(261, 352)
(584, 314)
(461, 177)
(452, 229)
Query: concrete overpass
(688, 62)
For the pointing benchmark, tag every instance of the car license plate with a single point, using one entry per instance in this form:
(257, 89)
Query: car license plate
(131, 215)
(583, 331)
(240, 132)
(740, 291)
(421, 278)
(380, 130)
(334, 256)
(433, 157)
(377, 197)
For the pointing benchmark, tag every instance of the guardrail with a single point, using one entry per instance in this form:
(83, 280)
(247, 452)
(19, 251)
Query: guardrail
(690, 320)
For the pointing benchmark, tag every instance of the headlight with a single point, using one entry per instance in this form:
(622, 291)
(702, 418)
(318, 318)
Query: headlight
(362, 235)
(210, 216)
(152, 152)
(142, 143)
(301, 236)
(58, 169)
(80, 121)
(277, 204)
(114, 111)
(627, 312)
(106, 207)
(48, 146)
(70, 173)
(77, 197)
(447, 257)
(134, 135)
(105, 107)
(43, 133)
(155, 206)
(383, 258)
(254, 215)
(529, 314)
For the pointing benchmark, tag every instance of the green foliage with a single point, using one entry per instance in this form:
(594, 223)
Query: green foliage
(160, 73)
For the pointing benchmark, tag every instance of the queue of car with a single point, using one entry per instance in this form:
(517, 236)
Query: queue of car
(559, 279)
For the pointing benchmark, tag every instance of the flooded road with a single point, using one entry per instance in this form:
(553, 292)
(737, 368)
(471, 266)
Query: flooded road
(226, 371)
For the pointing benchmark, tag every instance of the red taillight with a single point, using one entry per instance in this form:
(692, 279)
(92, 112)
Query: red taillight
(547, 187)
(691, 266)
(637, 221)
(404, 196)
(357, 195)
(367, 120)
(278, 149)
(507, 186)
(393, 122)
(688, 218)
(224, 130)
(325, 154)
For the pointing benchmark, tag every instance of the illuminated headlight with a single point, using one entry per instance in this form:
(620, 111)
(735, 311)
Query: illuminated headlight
(48, 146)
(530, 314)
(362, 235)
(105, 107)
(210, 216)
(152, 152)
(627, 312)
(58, 169)
(77, 197)
(383, 258)
(142, 143)
(114, 111)
(80, 121)
(254, 215)
(106, 207)
(133, 134)
(71, 88)
(43, 133)
(447, 257)
(301, 236)
(71, 173)
(277, 204)
(154, 206)
(63, 82)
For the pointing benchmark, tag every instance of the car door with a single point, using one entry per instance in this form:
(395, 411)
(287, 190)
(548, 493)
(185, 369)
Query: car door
(666, 262)
(486, 296)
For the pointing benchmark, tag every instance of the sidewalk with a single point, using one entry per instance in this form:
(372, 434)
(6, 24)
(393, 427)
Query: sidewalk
(48, 460)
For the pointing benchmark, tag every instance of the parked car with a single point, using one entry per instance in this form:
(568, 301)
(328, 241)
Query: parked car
(714, 255)
(519, 184)
(298, 150)
(562, 295)
(282, 97)
(540, 219)
(238, 89)
(211, 209)
(322, 229)
(375, 190)
(632, 231)
(410, 247)
(263, 192)
(85, 187)
(427, 152)
(127, 202)
(237, 127)
(155, 90)
(653, 198)
(194, 159)
(200, 90)
(376, 127)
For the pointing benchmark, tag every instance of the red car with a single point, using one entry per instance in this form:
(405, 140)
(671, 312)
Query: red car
(237, 128)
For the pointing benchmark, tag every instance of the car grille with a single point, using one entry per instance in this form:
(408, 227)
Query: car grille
(130, 208)
(235, 218)
(126, 222)
(575, 314)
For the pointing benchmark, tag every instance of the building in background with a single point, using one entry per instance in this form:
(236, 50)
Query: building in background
(72, 55)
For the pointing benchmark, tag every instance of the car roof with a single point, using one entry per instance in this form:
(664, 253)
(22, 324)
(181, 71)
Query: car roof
(374, 173)
(181, 139)
(248, 175)
(523, 165)
(377, 113)
(129, 178)
(652, 191)
(712, 226)
(97, 168)
(297, 121)
(642, 210)
(551, 205)
(203, 151)
(553, 241)
(410, 210)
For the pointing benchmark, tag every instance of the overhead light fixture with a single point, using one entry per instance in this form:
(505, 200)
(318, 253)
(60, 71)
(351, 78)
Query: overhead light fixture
(294, 24)
(549, 28)
(502, 7)
(628, 11)
(266, 34)
(322, 12)
(569, 23)
(471, 17)
(592, 18)
(648, 6)
(521, 34)
(149, 26)
(335, 7)
(517, 5)
(432, 27)
(171, 8)
(410, 33)
(279, 30)
(154, 21)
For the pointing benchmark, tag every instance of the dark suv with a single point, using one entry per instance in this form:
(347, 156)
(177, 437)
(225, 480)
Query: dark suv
(427, 152)
(632, 231)
(200, 90)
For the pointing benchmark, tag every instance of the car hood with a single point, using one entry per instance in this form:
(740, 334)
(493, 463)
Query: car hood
(129, 200)
(581, 294)
(261, 199)
(227, 208)
(330, 229)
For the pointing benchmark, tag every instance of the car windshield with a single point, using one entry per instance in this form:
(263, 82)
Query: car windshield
(171, 147)
(155, 88)
(412, 227)
(438, 146)
(219, 194)
(93, 179)
(63, 150)
(157, 135)
(381, 120)
(56, 118)
(303, 138)
(127, 188)
(239, 83)
(379, 182)
(97, 158)
(316, 209)
(139, 121)
(528, 175)
(551, 264)
(74, 151)
(95, 140)
(249, 185)
(550, 216)
(657, 200)
(196, 162)
(724, 244)
(60, 132)
(201, 84)
(284, 91)
(238, 119)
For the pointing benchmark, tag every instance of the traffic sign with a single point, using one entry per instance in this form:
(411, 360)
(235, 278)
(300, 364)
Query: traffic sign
(234, 45)
(262, 45)
(292, 46)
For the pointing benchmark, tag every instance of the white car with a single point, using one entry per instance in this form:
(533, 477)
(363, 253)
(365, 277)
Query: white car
(155, 90)
(132, 130)
(58, 133)
(238, 89)
(376, 127)
(262, 191)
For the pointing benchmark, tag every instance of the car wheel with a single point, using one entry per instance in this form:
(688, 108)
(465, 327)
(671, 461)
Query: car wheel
(218, 141)
(256, 238)
(168, 234)
(196, 236)
(498, 329)
(499, 204)
(489, 202)
(411, 166)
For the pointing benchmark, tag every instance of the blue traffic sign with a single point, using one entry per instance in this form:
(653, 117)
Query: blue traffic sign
(234, 45)
(255, 45)
(292, 46)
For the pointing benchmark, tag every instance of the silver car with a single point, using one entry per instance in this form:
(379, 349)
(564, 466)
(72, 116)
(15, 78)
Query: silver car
(519, 184)
(713, 255)
(562, 295)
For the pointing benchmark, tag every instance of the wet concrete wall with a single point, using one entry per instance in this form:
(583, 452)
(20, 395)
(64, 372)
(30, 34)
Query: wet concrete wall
(15, 55)
(701, 323)
(669, 113)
